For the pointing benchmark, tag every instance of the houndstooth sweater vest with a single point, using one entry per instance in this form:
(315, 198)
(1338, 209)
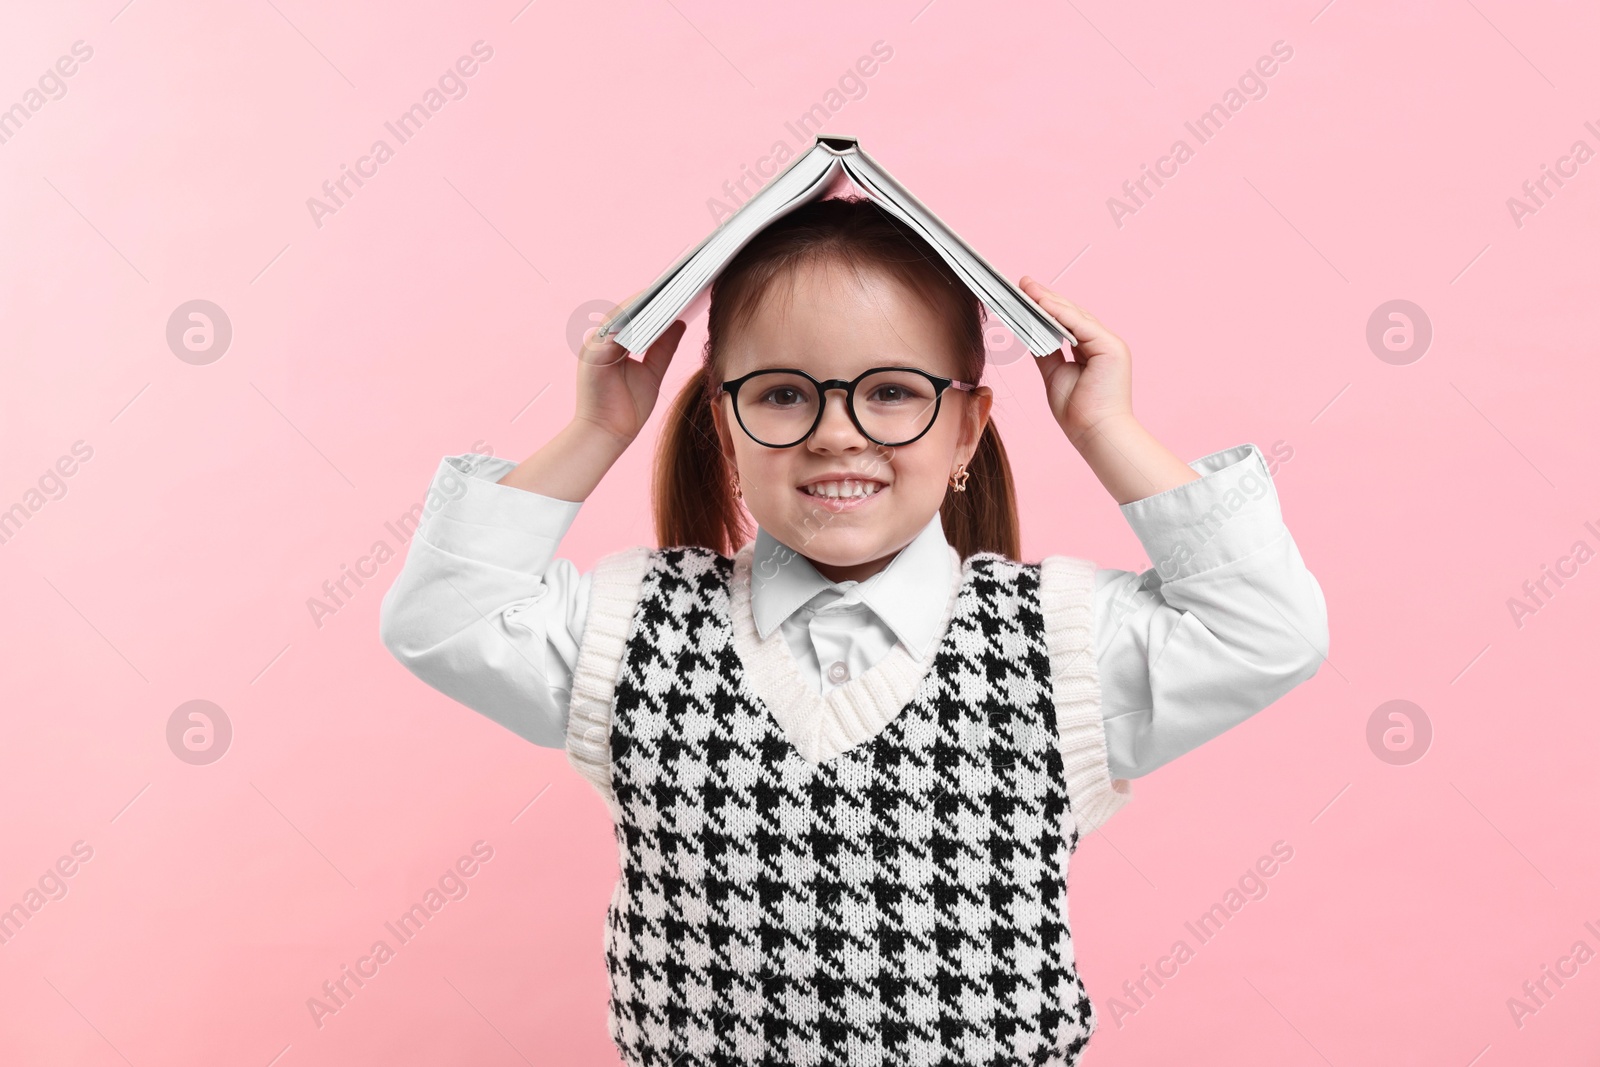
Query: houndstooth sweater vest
(901, 903)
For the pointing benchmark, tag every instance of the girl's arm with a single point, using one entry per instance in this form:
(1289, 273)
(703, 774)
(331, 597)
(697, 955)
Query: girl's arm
(1129, 461)
(570, 464)
(1229, 619)
(482, 611)
(1226, 621)
(1091, 397)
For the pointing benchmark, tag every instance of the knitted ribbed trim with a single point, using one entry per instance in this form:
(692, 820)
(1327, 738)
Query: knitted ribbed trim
(1066, 587)
(819, 727)
(614, 591)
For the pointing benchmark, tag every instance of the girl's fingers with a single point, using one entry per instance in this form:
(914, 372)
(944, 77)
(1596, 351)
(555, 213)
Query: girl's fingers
(659, 355)
(607, 352)
(602, 354)
(1048, 365)
(1060, 377)
(1084, 326)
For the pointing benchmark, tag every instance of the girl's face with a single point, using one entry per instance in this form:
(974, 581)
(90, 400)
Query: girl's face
(839, 324)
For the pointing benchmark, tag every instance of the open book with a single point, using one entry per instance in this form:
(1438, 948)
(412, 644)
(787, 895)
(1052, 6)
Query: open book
(809, 177)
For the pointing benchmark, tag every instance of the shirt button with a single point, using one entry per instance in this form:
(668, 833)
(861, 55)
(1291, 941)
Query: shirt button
(838, 673)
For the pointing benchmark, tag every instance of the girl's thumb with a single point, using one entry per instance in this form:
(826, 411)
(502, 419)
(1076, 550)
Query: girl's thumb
(1048, 365)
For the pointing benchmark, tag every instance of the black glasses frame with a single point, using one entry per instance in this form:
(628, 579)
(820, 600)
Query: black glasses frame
(731, 387)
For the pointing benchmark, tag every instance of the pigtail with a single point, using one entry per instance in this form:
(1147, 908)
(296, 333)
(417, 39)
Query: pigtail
(983, 518)
(694, 502)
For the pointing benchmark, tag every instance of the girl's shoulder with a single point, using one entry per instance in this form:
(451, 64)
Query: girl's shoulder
(1052, 571)
(618, 578)
(643, 557)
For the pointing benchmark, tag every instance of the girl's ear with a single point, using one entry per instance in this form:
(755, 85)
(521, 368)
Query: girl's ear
(982, 399)
(724, 437)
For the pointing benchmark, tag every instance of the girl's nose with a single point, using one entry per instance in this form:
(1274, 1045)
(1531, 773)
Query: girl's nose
(836, 431)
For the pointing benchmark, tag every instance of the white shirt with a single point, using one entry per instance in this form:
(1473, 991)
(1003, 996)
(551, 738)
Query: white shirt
(1228, 620)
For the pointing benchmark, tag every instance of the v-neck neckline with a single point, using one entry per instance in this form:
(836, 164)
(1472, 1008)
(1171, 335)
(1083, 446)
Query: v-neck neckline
(820, 727)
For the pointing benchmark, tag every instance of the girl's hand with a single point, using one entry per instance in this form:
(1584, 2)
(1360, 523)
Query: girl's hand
(1097, 384)
(616, 393)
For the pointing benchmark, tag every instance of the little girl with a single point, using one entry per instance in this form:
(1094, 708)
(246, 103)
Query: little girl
(848, 759)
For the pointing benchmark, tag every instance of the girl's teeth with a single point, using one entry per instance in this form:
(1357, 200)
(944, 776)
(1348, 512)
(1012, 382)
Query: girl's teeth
(843, 489)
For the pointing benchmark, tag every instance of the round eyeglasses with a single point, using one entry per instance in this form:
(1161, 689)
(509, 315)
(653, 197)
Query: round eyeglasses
(781, 407)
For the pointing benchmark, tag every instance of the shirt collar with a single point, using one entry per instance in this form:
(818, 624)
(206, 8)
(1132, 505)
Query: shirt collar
(909, 595)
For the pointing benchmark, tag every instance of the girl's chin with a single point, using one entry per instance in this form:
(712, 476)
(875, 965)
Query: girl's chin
(836, 545)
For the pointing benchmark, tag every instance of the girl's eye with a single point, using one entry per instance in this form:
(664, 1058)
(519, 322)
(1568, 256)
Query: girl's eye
(781, 396)
(890, 394)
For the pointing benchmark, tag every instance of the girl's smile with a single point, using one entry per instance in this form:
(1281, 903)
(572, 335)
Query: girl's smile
(838, 492)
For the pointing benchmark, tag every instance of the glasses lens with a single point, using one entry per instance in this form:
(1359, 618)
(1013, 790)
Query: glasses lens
(895, 405)
(777, 408)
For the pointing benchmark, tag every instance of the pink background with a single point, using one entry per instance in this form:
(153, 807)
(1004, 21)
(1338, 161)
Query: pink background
(429, 315)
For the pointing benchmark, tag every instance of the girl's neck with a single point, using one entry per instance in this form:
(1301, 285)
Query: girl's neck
(857, 572)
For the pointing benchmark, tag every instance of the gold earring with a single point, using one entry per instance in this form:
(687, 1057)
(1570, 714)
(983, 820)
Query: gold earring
(735, 480)
(958, 481)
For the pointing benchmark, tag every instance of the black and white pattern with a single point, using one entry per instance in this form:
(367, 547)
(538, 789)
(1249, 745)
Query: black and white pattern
(902, 903)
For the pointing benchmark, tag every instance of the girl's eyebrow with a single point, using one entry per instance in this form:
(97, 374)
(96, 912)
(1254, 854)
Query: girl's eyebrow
(802, 364)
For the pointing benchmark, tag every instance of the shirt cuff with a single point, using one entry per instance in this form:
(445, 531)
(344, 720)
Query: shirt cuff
(468, 514)
(1229, 512)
